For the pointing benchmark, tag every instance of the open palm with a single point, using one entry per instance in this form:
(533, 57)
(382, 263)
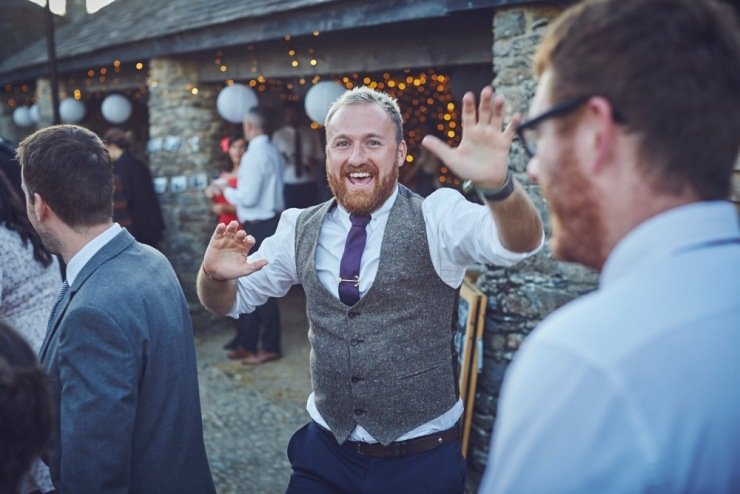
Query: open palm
(483, 153)
(226, 255)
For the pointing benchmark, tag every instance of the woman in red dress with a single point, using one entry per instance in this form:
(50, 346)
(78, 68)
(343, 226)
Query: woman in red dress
(234, 147)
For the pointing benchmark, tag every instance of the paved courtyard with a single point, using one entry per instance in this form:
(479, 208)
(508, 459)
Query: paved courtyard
(250, 413)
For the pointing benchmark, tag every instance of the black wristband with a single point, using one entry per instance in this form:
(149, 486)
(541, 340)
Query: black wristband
(499, 194)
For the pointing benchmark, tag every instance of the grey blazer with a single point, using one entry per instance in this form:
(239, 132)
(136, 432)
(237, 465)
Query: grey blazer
(123, 379)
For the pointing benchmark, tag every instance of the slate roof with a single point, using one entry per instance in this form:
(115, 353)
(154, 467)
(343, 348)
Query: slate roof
(130, 30)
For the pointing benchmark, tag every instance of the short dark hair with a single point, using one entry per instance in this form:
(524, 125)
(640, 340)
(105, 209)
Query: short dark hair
(671, 69)
(118, 137)
(25, 408)
(71, 169)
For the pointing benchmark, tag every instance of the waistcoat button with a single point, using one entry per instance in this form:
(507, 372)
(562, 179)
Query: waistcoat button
(359, 411)
(352, 315)
(356, 379)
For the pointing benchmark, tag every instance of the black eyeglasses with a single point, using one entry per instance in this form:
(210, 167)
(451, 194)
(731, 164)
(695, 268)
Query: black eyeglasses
(527, 131)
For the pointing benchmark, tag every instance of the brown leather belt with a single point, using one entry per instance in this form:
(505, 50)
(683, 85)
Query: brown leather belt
(403, 448)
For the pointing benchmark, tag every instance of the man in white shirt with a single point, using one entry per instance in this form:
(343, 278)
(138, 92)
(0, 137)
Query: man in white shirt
(634, 132)
(381, 267)
(258, 197)
(301, 149)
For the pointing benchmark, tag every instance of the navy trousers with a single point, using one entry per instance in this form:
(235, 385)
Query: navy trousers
(322, 466)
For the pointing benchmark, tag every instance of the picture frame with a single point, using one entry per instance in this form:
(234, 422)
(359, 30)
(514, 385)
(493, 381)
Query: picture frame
(468, 341)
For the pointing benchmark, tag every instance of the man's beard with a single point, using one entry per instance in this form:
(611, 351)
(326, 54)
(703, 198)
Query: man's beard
(361, 202)
(578, 233)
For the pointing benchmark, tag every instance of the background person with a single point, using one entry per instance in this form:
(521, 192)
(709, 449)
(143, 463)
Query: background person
(259, 199)
(300, 146)
(385, 404)
(29, 274)
(29, 282)
(25, 410)
(234, 147)
(632, 387)
(119, 350)
(147, 223)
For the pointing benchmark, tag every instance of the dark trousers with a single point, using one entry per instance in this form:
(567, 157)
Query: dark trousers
(321, 465)
(265, 316)
(300, 195)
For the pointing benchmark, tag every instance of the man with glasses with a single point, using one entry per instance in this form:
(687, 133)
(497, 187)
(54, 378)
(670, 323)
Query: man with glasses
(635, 131)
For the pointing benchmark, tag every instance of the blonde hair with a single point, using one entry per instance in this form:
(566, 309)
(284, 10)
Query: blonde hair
(363, 95)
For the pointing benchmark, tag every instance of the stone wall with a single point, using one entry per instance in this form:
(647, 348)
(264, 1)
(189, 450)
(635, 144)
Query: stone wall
(518, 297)
(184, 129)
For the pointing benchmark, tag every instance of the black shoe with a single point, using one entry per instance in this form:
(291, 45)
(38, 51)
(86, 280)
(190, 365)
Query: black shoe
(232, 345)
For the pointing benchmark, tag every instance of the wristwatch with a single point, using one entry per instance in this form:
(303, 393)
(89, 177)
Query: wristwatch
(494, 195)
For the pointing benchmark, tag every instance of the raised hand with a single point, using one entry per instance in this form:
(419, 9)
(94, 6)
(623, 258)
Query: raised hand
(483, 153)
(226, 255)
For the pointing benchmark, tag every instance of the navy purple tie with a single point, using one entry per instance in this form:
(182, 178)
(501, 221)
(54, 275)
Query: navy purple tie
(349, 266)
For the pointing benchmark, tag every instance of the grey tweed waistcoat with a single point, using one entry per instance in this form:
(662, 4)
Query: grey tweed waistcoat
(386, 362)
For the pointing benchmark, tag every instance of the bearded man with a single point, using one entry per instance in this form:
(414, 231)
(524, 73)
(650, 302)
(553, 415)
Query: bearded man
(381, 266)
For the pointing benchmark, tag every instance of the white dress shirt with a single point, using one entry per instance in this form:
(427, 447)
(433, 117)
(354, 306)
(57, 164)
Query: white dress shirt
(83, 256)
(259, 183)
(636, 386)
(459, 233)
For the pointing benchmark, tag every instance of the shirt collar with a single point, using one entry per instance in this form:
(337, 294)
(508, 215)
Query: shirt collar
(79, 260)
(259, 138)
(667, 233)
(375, 216)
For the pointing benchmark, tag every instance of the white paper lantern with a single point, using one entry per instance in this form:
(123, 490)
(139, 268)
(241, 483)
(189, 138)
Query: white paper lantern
(320, 98)
(22, 117)
(34, 113)
(71, 110)
(116, 108)
(235, 101)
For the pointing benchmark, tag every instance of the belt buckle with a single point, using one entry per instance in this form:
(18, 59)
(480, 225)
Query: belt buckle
(360, 449)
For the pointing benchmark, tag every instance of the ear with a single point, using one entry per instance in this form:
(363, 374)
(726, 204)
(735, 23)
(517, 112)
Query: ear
(401, 153)
(598, 134)
(40, 208)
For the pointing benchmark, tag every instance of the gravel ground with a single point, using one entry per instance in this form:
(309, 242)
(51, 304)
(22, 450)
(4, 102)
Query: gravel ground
(250, 413)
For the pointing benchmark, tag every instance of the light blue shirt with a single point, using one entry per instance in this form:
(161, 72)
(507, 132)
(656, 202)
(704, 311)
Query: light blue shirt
(636, 386)
(459, 233)
(83, 256)
(259, 183)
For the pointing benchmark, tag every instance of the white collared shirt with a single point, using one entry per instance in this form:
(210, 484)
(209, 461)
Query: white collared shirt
(83, 256)
(459, 233)
(259, 190)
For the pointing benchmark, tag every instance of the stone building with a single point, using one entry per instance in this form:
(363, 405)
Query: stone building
(172, 58)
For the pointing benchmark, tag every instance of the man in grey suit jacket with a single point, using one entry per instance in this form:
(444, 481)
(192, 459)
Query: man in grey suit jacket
(119, 349)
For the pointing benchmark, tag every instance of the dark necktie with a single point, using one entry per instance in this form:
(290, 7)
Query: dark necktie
(298, 153)
(349, 266)
(62, 291)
